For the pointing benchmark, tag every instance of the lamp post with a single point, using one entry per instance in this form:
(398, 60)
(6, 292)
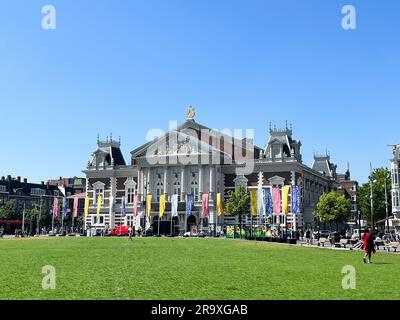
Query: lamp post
(387, 209)
(145, 204)
(372, 200)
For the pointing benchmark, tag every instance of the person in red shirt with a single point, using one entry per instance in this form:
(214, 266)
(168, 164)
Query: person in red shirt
(369, 245)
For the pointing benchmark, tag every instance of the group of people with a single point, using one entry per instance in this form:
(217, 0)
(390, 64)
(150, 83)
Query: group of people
(132, 232)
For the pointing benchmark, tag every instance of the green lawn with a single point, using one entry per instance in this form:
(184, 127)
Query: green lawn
(154, 268)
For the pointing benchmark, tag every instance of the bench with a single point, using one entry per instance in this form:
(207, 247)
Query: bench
(393, 245)
(380, 243)
(344, 243)
(322, 241)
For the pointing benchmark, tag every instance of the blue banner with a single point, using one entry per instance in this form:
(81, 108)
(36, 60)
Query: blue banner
(189, 204)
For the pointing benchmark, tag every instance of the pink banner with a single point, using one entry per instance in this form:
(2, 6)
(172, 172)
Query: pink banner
(135, 205)
(277, 200)
(76, 204)
(206, 209)
(56, 209)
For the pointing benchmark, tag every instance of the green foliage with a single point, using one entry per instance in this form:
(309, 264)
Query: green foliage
(238, 202)
(9, 211)
(332, 207)
(378, 190)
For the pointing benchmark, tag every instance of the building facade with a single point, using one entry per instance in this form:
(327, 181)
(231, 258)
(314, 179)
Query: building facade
(194, 159)
(394, 166)
(349, 189)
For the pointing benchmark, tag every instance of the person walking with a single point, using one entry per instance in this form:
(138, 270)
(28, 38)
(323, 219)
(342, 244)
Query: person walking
(130, 232)
(369, 245)
(308, 236)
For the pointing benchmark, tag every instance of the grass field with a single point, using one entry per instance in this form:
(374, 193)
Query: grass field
(153, 268)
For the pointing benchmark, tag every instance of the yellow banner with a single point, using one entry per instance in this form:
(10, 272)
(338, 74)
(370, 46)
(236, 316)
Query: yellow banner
(285, 199)
(99, 203)
(163, 200)
(254, 203)
(148, 204)
(87, 202)
(220, 208)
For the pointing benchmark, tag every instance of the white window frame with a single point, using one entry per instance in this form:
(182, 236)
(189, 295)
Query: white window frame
(98, 186)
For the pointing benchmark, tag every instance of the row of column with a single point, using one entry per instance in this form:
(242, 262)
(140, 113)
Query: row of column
(184, 183)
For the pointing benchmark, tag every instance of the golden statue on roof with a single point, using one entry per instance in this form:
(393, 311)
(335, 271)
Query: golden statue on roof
(191, 113)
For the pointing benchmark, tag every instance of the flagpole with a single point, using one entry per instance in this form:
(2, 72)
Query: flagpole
(23, 220)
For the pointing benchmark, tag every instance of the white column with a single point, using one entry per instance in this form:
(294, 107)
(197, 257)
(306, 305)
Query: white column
(166, 180)
(113, 188)
(183, 183)
(200, 180)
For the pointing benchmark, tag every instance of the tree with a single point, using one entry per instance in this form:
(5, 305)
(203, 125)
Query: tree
(378, 191)
(238, 204)
(333, 207)
(9, 211)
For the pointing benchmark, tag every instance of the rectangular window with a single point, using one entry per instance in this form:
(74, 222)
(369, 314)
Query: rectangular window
(2, 188)
(130, 195)
(97, 192)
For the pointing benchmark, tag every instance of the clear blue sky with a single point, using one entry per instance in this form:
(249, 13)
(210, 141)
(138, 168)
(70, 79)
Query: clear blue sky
(129, 66)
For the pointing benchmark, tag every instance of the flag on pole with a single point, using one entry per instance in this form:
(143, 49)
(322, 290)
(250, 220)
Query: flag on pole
(189, 204)
(268, 202)
(99, 204)
(205, 203)
(76, 205)
(295, 200)
(163, 201)
(277, 201)
(123, 207)
(285, 199)
(220, 207)
(65, 207)
(135, 205)
(174, 205)
(254, 209)
(87, 203)
(148, 204)
(261, 202)
(56, 209)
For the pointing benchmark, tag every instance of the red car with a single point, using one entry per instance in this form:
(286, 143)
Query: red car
(120, 231)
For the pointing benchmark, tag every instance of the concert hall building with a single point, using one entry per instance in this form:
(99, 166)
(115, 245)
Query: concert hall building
(194, 159)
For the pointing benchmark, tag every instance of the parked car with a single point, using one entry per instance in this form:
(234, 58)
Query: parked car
(120, 231)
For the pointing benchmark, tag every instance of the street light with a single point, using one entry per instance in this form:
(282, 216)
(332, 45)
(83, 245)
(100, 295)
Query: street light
(387, 209)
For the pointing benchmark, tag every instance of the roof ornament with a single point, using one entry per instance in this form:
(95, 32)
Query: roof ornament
(191, 113)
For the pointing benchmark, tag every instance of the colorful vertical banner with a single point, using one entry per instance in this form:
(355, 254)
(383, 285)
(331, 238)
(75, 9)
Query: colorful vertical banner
(174, 205)
(56, 209)
(99, 204)
(261, 202)
(189, 204)
(163, 201)
(285, 199)
(65, 207)
(76, 206)
(148, 204)
(220, 208)
(136, 205)
(277, 200)
(295, 200)
(254, 203)
(123, 206)
(268, 202)
(87, 203)
(205, 204)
